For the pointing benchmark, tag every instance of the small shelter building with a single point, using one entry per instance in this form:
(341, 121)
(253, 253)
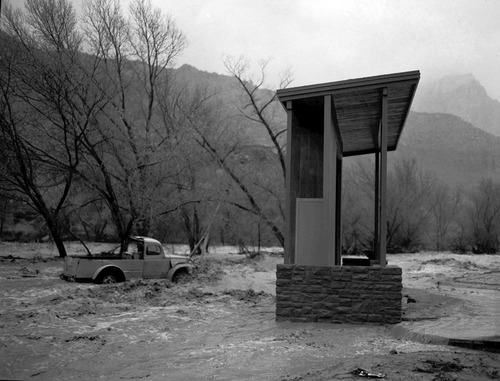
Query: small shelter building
(325, 123)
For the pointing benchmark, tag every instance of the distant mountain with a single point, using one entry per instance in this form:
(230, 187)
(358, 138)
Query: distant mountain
(454, 149)
(463, 96)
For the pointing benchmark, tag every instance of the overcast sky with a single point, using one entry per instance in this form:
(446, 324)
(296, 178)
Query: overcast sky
(330, 40)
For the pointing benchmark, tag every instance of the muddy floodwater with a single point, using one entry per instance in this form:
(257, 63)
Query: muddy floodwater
(218, 326)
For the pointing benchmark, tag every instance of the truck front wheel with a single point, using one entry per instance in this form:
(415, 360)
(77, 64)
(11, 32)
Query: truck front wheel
(181, 276)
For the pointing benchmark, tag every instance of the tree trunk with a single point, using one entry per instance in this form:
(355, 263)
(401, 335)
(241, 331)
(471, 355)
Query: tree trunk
(58, 241)
(60, 246)
(192, 228)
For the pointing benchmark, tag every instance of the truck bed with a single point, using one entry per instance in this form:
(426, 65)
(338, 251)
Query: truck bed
(83, 268)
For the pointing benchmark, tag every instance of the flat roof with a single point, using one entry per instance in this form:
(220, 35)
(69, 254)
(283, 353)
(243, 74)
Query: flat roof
(357, 107)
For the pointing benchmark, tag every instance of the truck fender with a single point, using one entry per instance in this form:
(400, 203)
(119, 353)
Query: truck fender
(180, 266)
(108, 267)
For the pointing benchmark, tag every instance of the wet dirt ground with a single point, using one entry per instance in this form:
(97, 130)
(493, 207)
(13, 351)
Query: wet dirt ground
(221, 325)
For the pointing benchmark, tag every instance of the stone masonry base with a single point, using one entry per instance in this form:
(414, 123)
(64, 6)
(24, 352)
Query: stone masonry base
(339, 294)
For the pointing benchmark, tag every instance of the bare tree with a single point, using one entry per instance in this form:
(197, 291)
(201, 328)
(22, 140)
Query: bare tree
(484, 216)
(41, 134)
(127, 156)
(260, 105)
(357, 208)
(408, 201)
(100, 109)
(408, 204)
(185, 107)
(5, 210)
(253, 190)
(444, 207)
(261, 196)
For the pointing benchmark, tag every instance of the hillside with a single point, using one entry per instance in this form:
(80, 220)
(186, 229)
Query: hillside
(230, 98)
(463, 96)
(454, 149)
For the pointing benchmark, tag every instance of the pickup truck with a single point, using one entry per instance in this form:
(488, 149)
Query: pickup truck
(143, 258)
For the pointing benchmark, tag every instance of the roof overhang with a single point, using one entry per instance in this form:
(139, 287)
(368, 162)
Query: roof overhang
(357, 108)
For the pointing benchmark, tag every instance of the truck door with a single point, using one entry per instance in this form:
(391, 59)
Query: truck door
(155, 263)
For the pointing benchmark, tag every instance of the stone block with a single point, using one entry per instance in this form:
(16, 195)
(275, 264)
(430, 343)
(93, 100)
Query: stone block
(324, 313)
(373, 318)
(374, 277)
(284, 312)
(284, 305)
(393, 296)
(391, 278)
(321, 271)
(314, 289)
(342, 310)
(345, 277)
(332, 291)
(319, 306)
(297, 311)
(384, 287)
(360, 269)
(345, 302)
(332, 299)
(307, 310)
(392, 270)
(361, 286)
(325, 282)
(392, 320)
(349, 294)
(319, 297)
(283, 282)
(283, 298)
(362, 276)
(308, 273)
(314, 281)
(337, 285)
(298, 277)
(337, 319)
(283, 273)
(302, 298)
(299, 269)
(299, 319)
(366, 307)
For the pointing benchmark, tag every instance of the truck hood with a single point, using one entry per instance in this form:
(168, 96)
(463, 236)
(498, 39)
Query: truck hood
(179, 256)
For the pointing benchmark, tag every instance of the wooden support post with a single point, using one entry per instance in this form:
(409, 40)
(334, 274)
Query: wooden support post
(290, 194)
(376, 222)
(383, 179)
(338, 212)
(329, 185)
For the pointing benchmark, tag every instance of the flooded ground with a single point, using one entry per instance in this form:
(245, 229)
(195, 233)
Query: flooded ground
(221, 325)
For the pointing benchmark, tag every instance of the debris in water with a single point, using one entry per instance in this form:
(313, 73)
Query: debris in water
(364, 373)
